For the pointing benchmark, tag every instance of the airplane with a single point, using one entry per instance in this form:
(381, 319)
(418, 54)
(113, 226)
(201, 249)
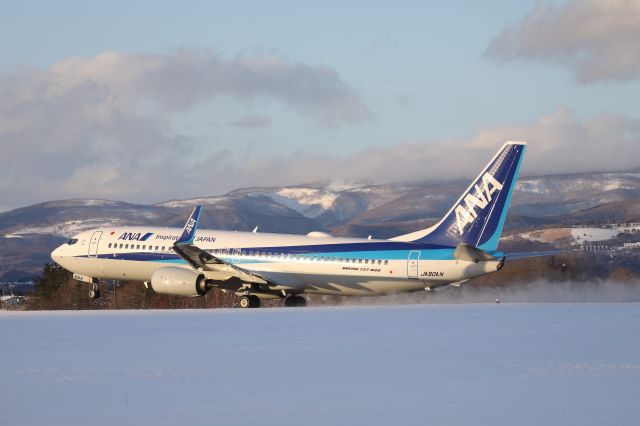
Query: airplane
(260, 266)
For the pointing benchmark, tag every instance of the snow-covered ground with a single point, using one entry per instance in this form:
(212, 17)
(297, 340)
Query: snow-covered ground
(576, 235)
(65, 229)
(207, 201)
(487, 364)
(310, 202)
(593, 234)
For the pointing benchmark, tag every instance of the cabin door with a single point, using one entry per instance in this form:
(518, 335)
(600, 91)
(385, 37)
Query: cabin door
(412, 264)
(93, 244)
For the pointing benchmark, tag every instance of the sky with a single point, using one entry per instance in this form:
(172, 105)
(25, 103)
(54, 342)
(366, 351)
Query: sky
(147, 101)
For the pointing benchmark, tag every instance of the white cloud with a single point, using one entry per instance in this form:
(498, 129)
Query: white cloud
(598, 40)
(251, 122)
(558, 143)
(97, 126)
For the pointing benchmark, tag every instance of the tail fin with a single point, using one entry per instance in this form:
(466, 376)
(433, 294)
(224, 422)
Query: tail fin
(477, 218)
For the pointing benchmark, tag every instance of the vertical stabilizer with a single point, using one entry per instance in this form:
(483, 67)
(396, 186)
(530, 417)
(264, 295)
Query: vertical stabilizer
(477, 218)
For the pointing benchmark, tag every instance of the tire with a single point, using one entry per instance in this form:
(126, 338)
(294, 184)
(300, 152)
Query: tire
(295, 301)
(92, 294)
(244, 302)
(255, 301)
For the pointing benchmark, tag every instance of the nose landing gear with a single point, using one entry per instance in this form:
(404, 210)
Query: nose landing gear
(94, 293)
(249, 301)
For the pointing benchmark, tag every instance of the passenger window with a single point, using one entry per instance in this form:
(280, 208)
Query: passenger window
(386, 262)
(109, 245)
(342, 259)
(126, 246)
(138, 247)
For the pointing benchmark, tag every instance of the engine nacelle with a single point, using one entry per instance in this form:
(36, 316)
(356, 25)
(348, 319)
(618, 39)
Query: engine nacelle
(179, 282)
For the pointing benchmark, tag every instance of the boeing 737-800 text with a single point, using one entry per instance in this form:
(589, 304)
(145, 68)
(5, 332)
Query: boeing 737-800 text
(255, 266)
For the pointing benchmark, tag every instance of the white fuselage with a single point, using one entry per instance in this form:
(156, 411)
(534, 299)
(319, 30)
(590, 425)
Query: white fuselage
(296, 263)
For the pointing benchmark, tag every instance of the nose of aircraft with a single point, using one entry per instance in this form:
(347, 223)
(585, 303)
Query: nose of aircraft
(56, 255)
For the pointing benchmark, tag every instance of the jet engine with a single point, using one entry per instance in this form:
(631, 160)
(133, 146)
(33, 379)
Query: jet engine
(179, 282)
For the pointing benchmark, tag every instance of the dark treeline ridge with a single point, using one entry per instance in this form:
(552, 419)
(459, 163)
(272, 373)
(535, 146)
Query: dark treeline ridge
(57, 290)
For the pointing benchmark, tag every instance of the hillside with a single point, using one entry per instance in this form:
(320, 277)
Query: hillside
(28, 234)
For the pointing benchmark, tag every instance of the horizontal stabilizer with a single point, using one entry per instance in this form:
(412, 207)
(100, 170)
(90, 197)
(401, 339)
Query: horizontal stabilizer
(470, 253)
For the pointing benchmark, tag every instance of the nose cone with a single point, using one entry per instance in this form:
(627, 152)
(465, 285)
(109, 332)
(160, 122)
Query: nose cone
(56, 255)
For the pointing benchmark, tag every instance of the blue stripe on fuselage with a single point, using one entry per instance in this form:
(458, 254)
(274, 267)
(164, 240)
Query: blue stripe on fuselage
(377, 250)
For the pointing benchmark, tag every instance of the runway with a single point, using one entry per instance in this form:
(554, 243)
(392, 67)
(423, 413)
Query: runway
(525, 364)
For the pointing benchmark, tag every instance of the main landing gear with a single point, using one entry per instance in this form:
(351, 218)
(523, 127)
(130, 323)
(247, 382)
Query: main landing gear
(94, 293)
(295, 301)
(249, 301)
(252, 301)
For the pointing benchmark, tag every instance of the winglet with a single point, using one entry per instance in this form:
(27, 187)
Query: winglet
(189, 230)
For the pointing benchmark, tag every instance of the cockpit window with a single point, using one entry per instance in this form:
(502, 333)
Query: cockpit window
(72, 241)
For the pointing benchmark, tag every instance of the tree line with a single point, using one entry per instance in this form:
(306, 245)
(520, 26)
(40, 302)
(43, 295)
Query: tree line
(56, 289)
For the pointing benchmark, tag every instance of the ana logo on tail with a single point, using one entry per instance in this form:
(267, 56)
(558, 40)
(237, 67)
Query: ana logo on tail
(466, 214)
(189, 226)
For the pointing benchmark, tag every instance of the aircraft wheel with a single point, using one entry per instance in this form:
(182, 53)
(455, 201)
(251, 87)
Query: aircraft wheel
(94, 294)
(244, 302)
(295, 301)
(255, 301)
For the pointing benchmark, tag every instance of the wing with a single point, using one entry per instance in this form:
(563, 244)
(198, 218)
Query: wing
(203, 260)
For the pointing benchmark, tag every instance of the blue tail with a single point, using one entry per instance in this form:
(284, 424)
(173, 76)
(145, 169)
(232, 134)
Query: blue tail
(477, 218)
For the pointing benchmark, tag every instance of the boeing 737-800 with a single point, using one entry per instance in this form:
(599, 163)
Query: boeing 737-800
(255, 266)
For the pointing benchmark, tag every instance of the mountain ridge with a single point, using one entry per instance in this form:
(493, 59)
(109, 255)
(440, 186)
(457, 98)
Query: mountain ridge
(382, 210)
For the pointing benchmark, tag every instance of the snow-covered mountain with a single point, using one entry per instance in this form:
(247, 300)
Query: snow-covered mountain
(28, 234)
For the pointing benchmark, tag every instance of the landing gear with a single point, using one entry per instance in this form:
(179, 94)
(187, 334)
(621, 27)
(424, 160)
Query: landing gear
(94, 293)
(294, 301)
(249, 301)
